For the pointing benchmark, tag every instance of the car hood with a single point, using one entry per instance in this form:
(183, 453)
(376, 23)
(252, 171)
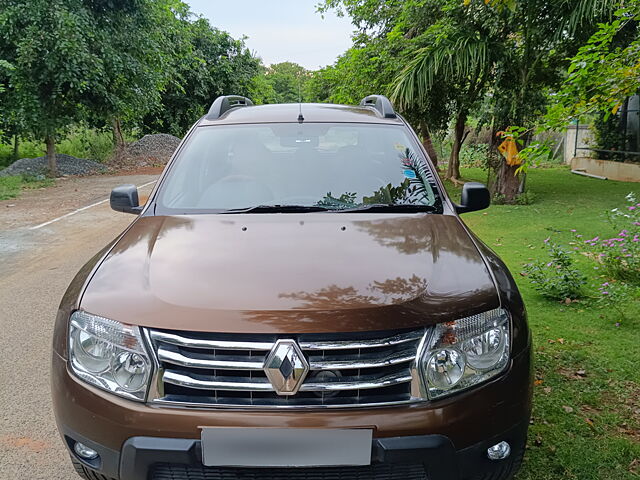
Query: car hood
(291, 273)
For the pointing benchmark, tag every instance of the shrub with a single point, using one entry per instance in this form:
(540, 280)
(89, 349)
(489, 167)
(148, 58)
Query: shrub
(87, 143)
(620, 255)
(616, 297)
(558, 278)
(474, 155)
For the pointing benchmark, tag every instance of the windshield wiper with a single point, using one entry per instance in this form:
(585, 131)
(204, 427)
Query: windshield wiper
(389, 207)
(278, 209)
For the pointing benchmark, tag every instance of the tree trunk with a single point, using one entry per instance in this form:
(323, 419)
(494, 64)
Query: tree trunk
(427, 143)
(51, 155)
(507, 182)
(16, 147)
(118, 138)
(453, 169)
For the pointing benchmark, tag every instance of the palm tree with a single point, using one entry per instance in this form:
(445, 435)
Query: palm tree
(514, 53)
(463, 60)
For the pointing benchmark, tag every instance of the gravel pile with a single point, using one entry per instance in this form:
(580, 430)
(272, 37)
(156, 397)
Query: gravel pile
(67, 165)
(150, 150)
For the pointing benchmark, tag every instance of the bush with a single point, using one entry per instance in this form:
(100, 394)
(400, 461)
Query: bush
(87, 143)
(620, 255)
(474, 155)
(616, 297)
(26, 149)
(557, 279)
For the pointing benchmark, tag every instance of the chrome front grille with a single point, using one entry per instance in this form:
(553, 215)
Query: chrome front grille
(202, 369)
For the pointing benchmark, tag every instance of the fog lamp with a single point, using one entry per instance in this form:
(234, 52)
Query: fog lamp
(84, 452)
(499, 451)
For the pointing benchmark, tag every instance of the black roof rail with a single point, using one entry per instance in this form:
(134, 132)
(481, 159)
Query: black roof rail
(225, 103)
(381, 104)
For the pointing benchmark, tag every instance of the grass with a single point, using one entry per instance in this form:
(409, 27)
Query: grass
(586, 416)
(10, 187)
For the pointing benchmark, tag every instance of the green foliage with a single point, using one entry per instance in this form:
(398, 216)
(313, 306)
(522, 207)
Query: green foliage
(204, 64)
(132, 40)
(620, 255)
(27, 149)
(603, 72)
(616, 296)
(475, 155)
(92, 144)
(557, 278)
(143, 63)
(52, 72)
(608, 135)
(261, 90)
(10, 187)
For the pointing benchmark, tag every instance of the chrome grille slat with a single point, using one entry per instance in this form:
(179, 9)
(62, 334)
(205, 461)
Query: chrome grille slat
(185, 341)
(386, 381)
(394, 359)
(242, 384)
(201, 369)
(228, 384)
(352, 345)
(177, 358)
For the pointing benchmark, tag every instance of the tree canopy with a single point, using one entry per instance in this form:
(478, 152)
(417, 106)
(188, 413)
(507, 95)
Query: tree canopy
(151, 64)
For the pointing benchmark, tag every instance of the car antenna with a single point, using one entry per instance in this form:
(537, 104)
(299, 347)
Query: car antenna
(300, 117)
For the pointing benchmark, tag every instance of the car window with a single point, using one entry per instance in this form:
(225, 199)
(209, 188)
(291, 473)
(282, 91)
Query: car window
(337, 166)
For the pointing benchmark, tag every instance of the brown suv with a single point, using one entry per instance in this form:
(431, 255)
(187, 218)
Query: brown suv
(298, 299)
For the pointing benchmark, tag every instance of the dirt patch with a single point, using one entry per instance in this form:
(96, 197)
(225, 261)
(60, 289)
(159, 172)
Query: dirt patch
(147, 170)
(40, 205)
(23, 443)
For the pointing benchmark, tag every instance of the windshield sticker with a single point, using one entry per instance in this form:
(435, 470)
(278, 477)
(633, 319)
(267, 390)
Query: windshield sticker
(410, 174)
(399, 147)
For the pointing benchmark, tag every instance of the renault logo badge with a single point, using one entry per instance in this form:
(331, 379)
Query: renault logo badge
(286, 367)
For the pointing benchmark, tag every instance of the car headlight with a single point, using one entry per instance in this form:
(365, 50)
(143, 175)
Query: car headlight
(465, 352)
(109, 355)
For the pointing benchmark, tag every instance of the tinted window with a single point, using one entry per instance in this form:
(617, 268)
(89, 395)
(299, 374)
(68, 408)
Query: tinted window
(338, 166)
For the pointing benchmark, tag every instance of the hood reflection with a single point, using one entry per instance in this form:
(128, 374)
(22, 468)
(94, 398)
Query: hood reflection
(291, 273)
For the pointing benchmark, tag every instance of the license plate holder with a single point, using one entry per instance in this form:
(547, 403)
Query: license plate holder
(285, 447)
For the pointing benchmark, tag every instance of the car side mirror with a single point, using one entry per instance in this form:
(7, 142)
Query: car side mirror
(475, 196)
(124, 198)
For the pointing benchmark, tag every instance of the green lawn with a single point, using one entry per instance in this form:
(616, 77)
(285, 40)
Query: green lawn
(586, 416)
(10, 187)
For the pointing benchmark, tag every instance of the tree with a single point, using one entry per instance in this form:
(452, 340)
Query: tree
(542, 34)
(460, 49)
(261, 90)
(503, 55)
(371, 65)
(603, 73)
(205, 63)
(52, 72)
(284, 82)
(132, 42)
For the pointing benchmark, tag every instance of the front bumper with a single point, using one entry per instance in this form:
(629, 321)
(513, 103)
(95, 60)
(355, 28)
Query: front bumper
(431, 457)
(449, 437)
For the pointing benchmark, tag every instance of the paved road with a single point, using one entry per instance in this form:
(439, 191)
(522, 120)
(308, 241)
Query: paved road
(36, 266)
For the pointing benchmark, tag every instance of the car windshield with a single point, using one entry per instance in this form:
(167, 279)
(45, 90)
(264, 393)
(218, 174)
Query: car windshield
(318, 166)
